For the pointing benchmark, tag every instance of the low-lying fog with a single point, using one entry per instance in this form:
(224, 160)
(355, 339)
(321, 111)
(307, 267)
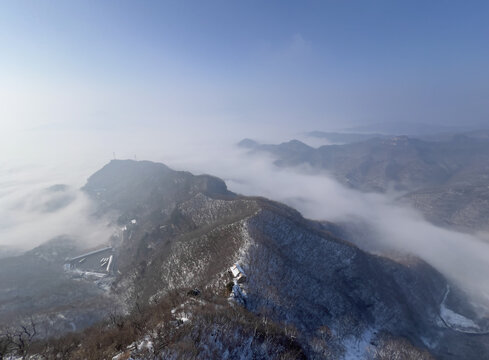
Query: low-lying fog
(36, 206)
(33, 211)
(462, 257)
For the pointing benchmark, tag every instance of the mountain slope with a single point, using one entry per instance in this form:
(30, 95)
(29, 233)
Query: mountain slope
(446, 180)
(307, 293)
(34, 286)
(297, 272)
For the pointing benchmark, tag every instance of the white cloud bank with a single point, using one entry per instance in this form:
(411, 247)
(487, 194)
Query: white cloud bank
(462, 257)
(34, 209)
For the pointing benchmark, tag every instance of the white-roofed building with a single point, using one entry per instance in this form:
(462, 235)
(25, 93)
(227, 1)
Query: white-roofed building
(238, 273)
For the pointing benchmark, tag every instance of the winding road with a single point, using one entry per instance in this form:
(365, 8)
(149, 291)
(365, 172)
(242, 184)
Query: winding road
(454, 327)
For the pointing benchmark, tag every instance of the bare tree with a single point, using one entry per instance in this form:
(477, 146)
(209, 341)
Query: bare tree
(18, 340)
(5, 346)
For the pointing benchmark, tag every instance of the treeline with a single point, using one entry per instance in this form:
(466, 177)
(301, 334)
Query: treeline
(189, 324)
(160, 329)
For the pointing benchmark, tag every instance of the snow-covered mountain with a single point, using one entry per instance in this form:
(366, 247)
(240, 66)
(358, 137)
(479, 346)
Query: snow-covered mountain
(298, 273)
(297, 289)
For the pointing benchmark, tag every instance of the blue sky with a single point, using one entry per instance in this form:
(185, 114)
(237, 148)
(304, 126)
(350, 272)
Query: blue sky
(303, 65)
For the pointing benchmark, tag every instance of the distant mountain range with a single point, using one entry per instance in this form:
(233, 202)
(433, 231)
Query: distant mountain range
(344, 138)
(414, 128)
(339, 138)
(447, 179)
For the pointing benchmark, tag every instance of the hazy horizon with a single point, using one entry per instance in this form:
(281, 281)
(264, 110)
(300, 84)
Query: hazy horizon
(301, 66)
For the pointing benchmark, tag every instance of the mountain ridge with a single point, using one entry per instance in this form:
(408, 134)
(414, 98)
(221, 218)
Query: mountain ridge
(280, 250)
(181, 234)
(430, 175)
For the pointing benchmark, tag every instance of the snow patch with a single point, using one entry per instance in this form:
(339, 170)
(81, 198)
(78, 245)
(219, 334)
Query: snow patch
(457, 320)
(358, 348)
